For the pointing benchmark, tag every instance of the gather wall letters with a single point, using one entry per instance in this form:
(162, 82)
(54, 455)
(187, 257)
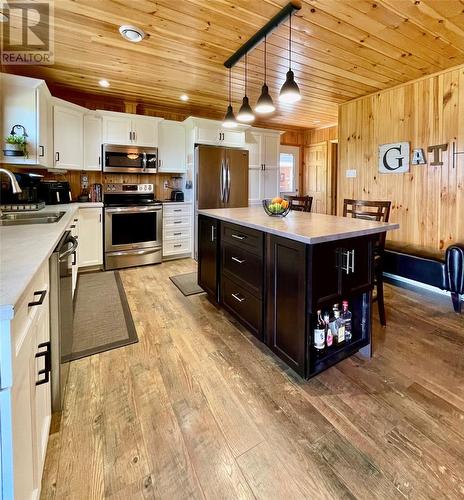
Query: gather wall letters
(394, 158)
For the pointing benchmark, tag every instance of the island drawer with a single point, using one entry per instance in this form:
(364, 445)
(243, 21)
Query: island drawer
(245, 267)
(240, 302)
(244, 237)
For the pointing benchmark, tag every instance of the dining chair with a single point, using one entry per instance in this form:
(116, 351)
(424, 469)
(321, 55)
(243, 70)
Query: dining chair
(300, 203)
(378, 211)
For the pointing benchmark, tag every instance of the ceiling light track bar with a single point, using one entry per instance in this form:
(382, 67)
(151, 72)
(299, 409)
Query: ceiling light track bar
(263, 32)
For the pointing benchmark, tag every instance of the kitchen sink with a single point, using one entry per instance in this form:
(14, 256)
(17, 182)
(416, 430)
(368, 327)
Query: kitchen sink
(16, 219)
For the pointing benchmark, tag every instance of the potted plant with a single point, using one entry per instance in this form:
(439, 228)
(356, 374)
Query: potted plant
(16, 145)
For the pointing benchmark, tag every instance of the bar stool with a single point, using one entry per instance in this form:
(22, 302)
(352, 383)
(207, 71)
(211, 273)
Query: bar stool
(378, 211)
(300, 203)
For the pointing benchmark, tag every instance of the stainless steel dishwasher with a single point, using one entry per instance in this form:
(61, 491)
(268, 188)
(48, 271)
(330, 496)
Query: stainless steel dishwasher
(62, 261)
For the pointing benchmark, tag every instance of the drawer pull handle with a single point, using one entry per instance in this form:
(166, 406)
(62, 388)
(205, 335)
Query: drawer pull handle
(177, 234)
(238, 236)
(48, 363)
(237, 298)
(177, 222)
(178, 210)
(238, 260)
(177, 246)
(39, 302)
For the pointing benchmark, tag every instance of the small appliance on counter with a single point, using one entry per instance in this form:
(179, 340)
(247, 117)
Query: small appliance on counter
(54, 192)
(176, 186)
(177, 195)
(27, 199)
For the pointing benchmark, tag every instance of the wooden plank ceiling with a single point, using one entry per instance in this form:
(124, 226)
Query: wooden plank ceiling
(342, 49)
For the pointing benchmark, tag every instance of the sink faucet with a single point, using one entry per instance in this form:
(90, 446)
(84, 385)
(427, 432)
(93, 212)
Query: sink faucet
(14, 183)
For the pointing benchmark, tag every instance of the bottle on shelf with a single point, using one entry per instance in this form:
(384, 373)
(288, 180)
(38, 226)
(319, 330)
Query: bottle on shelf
(339, 335)
(319, 334)
(346, 317)
(329, 335)
(332, 322)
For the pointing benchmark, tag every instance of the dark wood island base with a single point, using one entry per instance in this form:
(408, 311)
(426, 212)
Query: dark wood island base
(274, 286)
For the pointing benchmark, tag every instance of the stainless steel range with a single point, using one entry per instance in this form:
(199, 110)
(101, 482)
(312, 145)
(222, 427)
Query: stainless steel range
(133, 225)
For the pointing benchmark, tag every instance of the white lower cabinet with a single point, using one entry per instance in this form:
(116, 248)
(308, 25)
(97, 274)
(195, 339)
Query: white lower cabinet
(177, 230)
(26, 403)
(90, 249)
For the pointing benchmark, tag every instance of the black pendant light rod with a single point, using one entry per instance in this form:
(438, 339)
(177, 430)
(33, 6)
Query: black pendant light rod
(263, 32)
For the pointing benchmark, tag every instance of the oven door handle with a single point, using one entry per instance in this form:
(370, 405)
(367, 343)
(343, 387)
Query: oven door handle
(133, 210)
(133, 252)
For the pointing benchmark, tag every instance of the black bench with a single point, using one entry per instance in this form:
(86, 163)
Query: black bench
(428, 267)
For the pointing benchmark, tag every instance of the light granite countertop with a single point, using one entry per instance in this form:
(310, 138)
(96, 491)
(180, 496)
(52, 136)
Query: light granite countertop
(24, 248)
(308, 228)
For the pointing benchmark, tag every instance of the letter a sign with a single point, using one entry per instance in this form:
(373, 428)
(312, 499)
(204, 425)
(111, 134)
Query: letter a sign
(394, 158)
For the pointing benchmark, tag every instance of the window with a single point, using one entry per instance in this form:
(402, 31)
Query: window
(289, 161)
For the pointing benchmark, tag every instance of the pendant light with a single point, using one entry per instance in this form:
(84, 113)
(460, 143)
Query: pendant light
(290, 92)
(264, 105)
(245, 113)
(229, 118)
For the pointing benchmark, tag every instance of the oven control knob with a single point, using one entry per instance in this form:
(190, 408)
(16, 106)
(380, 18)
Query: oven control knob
(149, 187)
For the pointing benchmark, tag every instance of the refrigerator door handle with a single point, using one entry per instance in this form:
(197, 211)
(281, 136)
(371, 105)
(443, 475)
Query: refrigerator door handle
(222, 182)
(228, 179)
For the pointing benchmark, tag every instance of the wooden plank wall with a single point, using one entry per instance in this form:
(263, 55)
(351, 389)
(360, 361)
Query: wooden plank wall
(427, 202)
(316, 135)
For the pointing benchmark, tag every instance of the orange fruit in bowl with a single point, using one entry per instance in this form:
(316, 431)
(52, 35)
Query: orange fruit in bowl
(277, 199)
(284, 204)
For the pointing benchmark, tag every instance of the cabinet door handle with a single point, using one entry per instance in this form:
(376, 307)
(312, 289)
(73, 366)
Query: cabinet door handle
(178, 210)
(42, 151)
(177, 234)
(99, 160)
(39, 302)
(237, 298)
(177, 222)
(134, 135)
(178, 246)
(48, 363)
(213, 233)
(57, 156)
(238, 236)
(74, 261)
(100, 218)
(238, 260)
(351, 267)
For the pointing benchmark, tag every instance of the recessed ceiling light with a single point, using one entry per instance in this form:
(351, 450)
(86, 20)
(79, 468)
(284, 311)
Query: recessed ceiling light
(132, 33)
(104, 83)
(184, 97)
(317, 121)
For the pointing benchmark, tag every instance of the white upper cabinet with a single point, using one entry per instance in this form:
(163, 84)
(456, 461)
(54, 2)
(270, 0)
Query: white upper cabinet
(263, 174)
(145, 131)
(117, 129)
(171, 151)
(129, 129)
(26, 102)
(92, 141)
(270, 149)
(213, 133)
(68, 137)
(44, 126)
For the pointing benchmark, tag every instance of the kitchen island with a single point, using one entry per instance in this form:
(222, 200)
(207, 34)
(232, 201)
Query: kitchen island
(273, 274)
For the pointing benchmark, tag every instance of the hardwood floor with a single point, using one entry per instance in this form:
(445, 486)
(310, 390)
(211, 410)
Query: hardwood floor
(199, 409)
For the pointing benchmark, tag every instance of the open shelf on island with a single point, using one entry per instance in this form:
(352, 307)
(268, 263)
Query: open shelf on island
(359, 306)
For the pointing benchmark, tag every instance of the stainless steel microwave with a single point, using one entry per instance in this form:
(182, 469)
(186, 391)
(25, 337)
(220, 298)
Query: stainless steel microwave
(130, 159)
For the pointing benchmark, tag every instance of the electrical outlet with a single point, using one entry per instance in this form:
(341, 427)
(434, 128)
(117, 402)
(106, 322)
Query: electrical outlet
(351, 173)
(165, 185)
